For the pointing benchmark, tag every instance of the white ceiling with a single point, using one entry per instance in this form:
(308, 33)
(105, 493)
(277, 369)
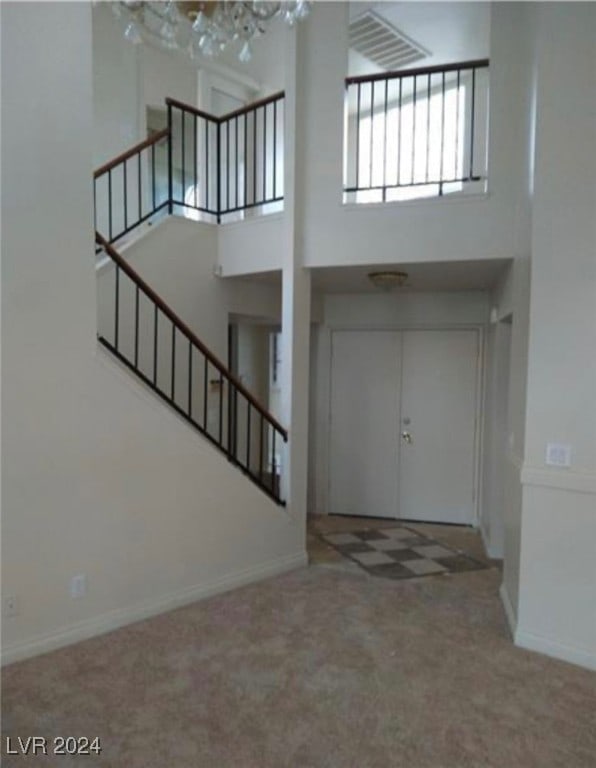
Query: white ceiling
(452, 32)
(437, 276)
(431, 276)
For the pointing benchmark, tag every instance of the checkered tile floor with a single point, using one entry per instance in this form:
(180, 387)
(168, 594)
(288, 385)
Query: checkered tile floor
(400, 553)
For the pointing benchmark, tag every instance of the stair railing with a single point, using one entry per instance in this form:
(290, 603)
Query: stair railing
(205, 167)
(416, 133)
(132, 188)
(222, 166)
(153, 342)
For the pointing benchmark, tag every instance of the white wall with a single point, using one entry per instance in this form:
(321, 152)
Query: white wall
(424, 231)
(497, 363)
(178, 258)
(128, 78)
(512, 76)
(373, 311)
(557, 581)
(117, 105)
(250, 246)
(98, 477)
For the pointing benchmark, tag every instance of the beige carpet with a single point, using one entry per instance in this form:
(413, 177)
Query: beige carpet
(319, 668)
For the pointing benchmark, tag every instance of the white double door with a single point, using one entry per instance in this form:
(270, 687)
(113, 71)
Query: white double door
(403, 415)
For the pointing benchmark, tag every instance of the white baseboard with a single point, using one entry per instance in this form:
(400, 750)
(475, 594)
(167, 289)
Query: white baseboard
(509, 612)
(107, 622)
(489, 548)
(579, 656)
(486, 543)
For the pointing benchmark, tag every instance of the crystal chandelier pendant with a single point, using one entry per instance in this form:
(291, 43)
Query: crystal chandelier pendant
(245, 54)
(204, 28)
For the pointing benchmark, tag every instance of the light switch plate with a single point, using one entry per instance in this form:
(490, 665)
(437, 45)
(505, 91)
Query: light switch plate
(558, 455)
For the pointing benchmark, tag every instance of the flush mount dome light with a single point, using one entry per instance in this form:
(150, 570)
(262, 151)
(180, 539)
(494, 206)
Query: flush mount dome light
(388, 279)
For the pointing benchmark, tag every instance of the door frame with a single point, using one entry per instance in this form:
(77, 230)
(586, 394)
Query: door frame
(479, 399)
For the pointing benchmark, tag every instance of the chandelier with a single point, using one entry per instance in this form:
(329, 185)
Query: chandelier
(204, 28)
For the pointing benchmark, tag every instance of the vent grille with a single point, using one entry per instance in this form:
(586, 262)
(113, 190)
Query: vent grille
(382, 43)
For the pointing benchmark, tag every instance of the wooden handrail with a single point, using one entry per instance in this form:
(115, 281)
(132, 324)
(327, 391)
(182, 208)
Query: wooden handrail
(475, 64)
(183, 328)
(230, 115)
(131, 152)
(250, 107)
(189, 108)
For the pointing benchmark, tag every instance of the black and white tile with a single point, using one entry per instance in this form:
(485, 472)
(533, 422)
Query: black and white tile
(400, 553)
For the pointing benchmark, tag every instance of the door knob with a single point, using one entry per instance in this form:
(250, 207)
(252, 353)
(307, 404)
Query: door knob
(407, 437)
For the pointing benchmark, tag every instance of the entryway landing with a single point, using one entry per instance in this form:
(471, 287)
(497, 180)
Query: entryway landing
(394, 550)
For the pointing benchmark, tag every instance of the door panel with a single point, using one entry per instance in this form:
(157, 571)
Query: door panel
(364, 441)
(438, 410)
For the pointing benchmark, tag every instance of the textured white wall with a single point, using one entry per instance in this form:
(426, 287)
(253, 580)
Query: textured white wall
(98, 476)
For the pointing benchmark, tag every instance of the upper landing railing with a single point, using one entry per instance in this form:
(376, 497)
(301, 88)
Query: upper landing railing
(416, 133)
(206, 167)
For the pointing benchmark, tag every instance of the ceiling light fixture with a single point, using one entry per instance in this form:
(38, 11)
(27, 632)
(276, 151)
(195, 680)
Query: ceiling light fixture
(388, 279)
(204, 28)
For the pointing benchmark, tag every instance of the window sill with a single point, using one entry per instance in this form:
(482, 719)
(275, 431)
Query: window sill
(456, 199)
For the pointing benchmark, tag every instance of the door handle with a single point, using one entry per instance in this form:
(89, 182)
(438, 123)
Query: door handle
(407, 437)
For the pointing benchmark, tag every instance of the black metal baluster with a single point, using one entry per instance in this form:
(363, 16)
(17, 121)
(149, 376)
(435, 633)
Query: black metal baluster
(137, 326)
(221, 393)
(195, 160)
(413, 129)
(190, 378)
(441, 159)
(205, 393)
(173, 386)
(264, 153)
(235, 432)
(274, 149)
(207, 166)
(273, 462)
(228, 123)
(427, 126)
(218, 175)
(183, 154)
(125, 189)
(385, 142)
(245, 159)
(236, 166)
(229, 446)
(155, 320)
(170, 161)
(254, 156)
(455, 173)
(153, 175)
(370, 159)
(139, 187)
(399, 132)
(472, 177)
(358, 103)
(110, 204)
(248, 407)
(117, 308)
(261, 448)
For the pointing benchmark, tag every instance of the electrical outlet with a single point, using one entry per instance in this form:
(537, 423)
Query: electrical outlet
(10, 607)
(78, 585)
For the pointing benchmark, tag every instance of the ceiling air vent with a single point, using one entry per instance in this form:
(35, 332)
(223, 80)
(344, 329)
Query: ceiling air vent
(382, 43)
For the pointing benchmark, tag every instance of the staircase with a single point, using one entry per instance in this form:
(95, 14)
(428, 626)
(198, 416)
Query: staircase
(147, 336)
